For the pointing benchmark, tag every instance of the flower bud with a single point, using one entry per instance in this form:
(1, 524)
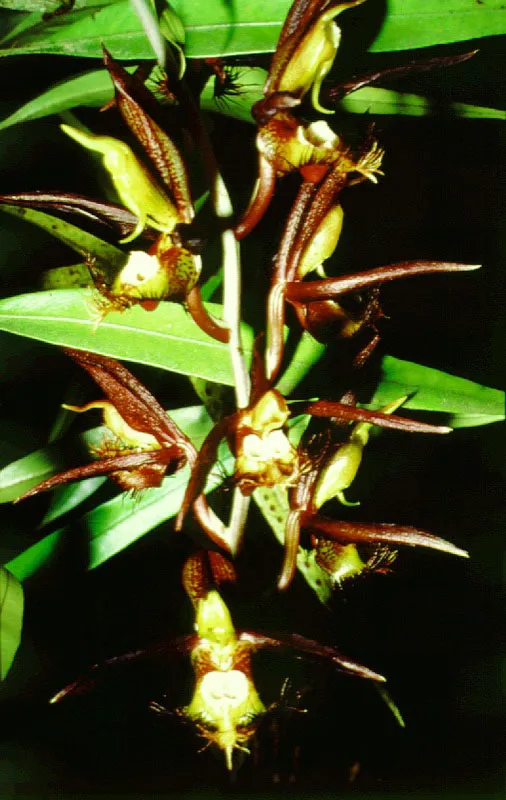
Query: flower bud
(322, 245)
(341, 468)
(313, 57)
(133, 183)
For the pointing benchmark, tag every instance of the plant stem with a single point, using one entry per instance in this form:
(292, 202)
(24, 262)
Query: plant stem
(232, 292)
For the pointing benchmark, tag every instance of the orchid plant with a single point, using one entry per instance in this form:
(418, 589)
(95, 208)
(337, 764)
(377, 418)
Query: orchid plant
(143, 294)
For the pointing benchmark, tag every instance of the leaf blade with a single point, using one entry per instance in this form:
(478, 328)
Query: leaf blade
(215, 28)
(166, 338)
(433, 390)
(375, 100)
(11, 619)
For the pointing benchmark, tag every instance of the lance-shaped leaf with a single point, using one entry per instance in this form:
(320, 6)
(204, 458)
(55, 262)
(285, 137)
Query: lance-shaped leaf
(216, 28)
(429, 389)
(166, 337)
(82, 242)
(382, 532)
(92, 88)
(11, 619)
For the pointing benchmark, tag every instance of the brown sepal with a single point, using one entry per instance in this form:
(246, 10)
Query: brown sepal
(158, 146)
(115, 217)
(329, 408)
(304, 292)
(410, 68)
(309, 648)
(387, 533)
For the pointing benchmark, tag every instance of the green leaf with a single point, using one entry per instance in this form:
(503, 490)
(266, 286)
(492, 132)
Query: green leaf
(307, 353)
(247, 84)
(95, 89)
(218, 28)
(77, 239)
(19, 476)
(44, 6)
(215, 28)
(50, 6)
(466, 402)
(147, 17)
(372, 100)
(82, 33)
(90, 89)
(409, 24)
(66, 498)
(75, 276)
(273, 503)
(11, 619)
(167, 338)
(114, 525)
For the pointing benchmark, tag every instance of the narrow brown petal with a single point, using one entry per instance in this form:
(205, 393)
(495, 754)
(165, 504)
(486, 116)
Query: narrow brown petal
(98, 673)
(309, 647)
(203, 464)
(104, 466)
(299, 17)
(328, 408)
(115, 217)
(333, 287)
(199, 315)
(381, 532)
(411, 67)
(203, 571)
(260, 201)
(210, 523)
(366, 352)
(283, 268)
(296, 24)
(282, 265)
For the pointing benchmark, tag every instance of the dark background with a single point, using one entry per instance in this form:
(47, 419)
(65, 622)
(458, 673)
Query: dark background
(435, 626)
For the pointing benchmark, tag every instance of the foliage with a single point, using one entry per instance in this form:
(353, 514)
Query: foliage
(58, 299)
